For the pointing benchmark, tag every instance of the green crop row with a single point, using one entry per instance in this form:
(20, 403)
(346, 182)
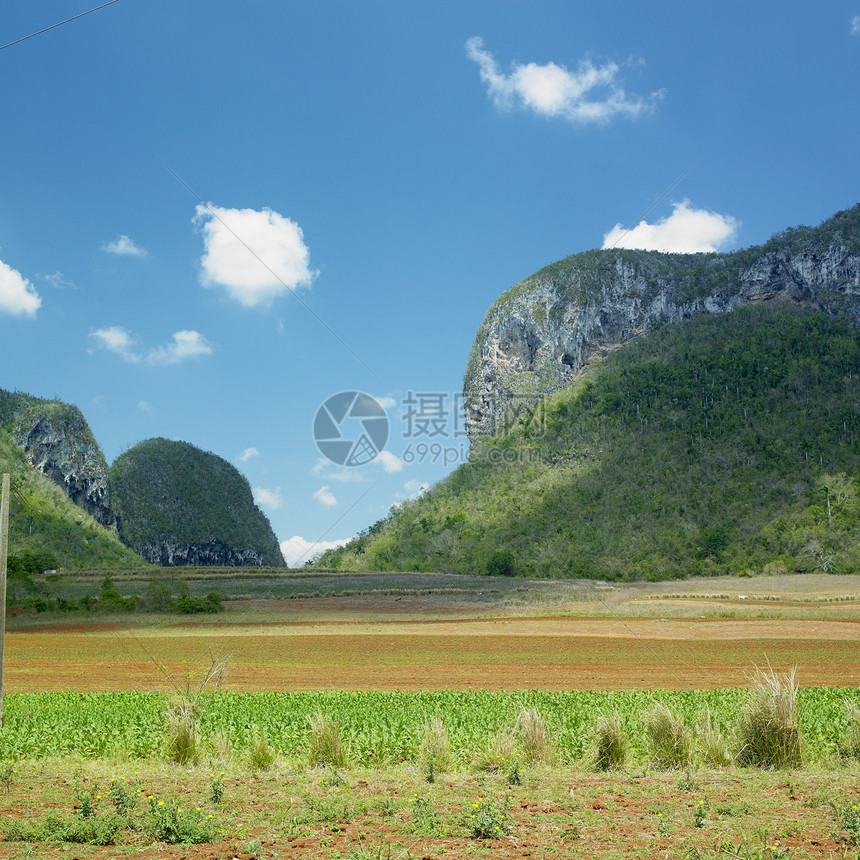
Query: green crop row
(377, 727)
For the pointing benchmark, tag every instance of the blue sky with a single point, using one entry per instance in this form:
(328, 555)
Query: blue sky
(395, 166)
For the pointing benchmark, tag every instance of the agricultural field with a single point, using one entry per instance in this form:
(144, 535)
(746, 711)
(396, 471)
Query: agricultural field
(390, 716)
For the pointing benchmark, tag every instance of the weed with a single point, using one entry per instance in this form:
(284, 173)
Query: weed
(489, 820)
(512, 772)
(124, 800)
(768, 728)
(52, 827)
(689, 782)
(7, 774)
(425, 819)
(168, 822)
(325, 744)
(848, 819)
(86, 800)
(700, 814)
(610, 743)
(671, 742)
(386, 807)
(216, 787)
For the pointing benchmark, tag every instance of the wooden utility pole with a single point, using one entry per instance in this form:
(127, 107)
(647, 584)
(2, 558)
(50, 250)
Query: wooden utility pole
(4, 550)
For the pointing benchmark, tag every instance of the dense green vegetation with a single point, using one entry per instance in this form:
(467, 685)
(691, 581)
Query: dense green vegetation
(379, 727)
(166, 491)
(42, 520)
(723, 444)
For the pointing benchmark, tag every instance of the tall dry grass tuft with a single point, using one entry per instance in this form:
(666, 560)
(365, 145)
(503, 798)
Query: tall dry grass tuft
(768, 727)
(610, 743)
(535, 742)
(261, 754)
(325, 745)
(434, 754)
(849, 745)
(499, 754)
(712, 744)
(671, 741)
(184, 707)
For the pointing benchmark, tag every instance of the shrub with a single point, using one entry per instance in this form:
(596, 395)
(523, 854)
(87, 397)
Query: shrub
(611, 745)
(325, 744)
(768, 728)
(671, 743)
(501, 563)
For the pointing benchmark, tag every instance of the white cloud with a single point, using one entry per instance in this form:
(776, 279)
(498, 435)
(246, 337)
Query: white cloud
(855, 25)
(185, 344)
(117, 340)
(120, 341)
(58, 281)
(297, 550)
(248, 454)
(123, 246)
(390, 462)
(270, 498)
(325, 497)
(143, 405)
(590, 94)
(386, 402)
(17, 295)
(255, 256)
(685, 231)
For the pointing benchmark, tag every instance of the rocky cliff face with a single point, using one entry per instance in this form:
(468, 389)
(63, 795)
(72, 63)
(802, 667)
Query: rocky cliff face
(212, 553)
(57, 441)
(541, 334)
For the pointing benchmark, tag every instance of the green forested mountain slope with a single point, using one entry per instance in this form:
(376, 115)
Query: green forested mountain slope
(179, 505)
(42, 519)
(724, 443)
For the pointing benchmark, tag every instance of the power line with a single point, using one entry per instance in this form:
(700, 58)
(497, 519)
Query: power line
(60, 24)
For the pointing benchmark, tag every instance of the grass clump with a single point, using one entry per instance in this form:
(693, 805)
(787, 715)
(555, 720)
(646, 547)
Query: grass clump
(611, 745)
(713, 746)
(54, 827)
(261, 754)
(768, 729)
(670, 739)
(434, 754)
(325, 745)
(498, 754)
(533, 736)
(849, 743)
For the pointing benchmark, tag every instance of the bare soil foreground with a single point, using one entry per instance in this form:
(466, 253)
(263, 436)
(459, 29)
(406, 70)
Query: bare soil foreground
(697, 634)
(396, 815)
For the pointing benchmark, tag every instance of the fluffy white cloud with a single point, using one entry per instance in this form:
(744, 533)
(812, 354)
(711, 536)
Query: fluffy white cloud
(185, 344)
(855, 25)
(17, 295)
(297, 550)
(685, 231)
(145, 407)
(389, 462)
(248, 454)
(590, 94)
(120, 341)
(255, 256)
(117, 340)
(270, 498)
(124, 246)
(325, 497)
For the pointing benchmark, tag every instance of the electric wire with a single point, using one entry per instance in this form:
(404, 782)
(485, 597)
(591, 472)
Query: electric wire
(59, 24)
